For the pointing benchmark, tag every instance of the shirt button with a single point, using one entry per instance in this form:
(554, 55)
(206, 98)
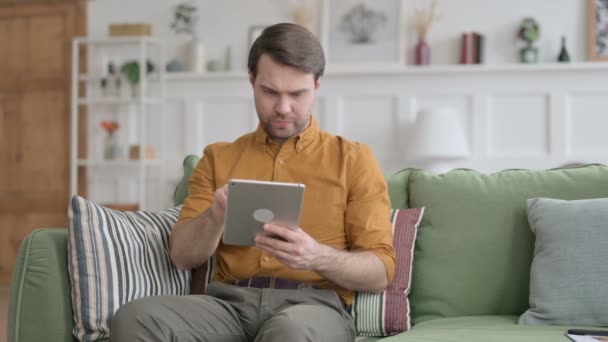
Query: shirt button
(281, 161)
(266, 259)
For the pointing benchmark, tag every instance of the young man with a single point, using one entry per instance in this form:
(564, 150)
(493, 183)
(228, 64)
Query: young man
(296, 287)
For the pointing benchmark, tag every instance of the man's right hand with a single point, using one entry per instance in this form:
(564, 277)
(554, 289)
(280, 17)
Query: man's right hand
(193, 241)
(218, 209)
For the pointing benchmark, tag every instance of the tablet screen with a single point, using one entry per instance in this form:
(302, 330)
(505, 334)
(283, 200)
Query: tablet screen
(252, 203)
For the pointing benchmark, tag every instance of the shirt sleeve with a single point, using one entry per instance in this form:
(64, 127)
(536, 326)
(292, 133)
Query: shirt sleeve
(367, 217)
(201, 187)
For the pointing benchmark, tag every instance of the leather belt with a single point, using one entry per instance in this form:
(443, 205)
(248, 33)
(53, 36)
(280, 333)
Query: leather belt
(264, 282)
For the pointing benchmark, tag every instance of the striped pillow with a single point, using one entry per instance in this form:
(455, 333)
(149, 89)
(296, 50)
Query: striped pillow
(388, 313)
(115, 257)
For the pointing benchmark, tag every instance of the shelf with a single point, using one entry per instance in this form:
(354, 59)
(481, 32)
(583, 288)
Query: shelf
(383, 70)
(119, 162)
(183, 75)
(97, 78)
(118, 40)
(118, 101)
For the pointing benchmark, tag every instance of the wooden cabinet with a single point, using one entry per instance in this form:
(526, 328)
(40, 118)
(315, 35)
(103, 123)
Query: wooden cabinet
(35, 62)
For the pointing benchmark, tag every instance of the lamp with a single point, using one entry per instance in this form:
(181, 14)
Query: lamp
(438, 138)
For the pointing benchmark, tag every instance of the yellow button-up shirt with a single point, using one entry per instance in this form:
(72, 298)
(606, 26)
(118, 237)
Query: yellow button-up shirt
(346, 203)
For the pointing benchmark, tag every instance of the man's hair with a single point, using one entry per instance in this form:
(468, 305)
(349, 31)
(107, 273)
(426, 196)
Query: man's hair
(291, 45)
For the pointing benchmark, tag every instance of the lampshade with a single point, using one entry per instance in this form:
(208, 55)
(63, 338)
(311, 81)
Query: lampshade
(438, 134)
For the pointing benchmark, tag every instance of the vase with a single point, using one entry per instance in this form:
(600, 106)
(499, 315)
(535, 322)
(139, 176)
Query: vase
(529, 55)
(422, 54)
(111, 149)
(563, 56)
(196, 57)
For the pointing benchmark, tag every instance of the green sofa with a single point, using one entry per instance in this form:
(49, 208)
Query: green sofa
(471, 262)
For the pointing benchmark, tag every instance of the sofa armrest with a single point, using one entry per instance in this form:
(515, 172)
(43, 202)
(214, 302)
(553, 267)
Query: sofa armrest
(40, 308)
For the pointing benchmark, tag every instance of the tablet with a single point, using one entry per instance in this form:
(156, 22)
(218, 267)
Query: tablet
(251, 204)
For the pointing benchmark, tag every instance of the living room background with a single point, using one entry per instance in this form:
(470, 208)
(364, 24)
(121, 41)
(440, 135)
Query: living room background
(512, 115)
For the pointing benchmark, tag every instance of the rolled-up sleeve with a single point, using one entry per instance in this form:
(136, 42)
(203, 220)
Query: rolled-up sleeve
(367, 218)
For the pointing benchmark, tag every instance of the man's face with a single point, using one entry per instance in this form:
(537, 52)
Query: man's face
(283, 98)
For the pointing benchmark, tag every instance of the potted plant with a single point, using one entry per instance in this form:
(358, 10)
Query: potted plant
(111, 150)
(185, 19)
(529, 32)
(131, 72)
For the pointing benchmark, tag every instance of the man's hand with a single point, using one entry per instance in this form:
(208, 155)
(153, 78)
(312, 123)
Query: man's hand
(218, 209)
(354, 270)
(193, 241)
(292, 247)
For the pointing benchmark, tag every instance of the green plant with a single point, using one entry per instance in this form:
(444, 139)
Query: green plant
(529, 31)
(131, 71)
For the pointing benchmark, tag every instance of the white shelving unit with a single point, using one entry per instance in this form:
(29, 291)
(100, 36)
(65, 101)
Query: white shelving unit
(138, 104)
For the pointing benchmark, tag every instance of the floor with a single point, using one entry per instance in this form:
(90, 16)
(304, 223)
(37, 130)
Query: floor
(3, 311)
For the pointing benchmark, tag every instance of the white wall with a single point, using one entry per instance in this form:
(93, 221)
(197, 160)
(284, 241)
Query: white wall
(519, 116)
(227, 22)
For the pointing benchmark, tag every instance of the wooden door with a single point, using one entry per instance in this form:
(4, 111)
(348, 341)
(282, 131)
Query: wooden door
(35, 69)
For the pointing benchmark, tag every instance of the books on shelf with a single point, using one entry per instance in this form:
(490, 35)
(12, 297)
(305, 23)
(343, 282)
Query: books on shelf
(472, 48)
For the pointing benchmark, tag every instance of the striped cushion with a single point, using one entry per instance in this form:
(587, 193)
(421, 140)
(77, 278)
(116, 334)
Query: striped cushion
(115, 257)
(388, 313)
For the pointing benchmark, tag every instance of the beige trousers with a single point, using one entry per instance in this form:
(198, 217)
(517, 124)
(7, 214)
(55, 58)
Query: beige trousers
(232, 313)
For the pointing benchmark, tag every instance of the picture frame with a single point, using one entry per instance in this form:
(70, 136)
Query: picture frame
(254, 32)
(597, 33)
(379, 41)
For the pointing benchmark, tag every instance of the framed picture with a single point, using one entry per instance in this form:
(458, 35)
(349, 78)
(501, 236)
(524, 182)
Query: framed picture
(364, 32)
(597, 41)
(254, 33)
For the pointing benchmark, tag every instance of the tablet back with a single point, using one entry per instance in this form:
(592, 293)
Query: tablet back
(251, 204)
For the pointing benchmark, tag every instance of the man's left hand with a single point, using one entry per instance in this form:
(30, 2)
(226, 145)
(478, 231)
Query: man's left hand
(292, 247)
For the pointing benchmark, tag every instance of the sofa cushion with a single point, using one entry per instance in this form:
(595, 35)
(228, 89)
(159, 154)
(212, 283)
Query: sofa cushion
(39, 306)
(474, 247)
(388, 312)
(481, 329)
(115, 257)
(181, 191)
(398, 188)
(569, 277)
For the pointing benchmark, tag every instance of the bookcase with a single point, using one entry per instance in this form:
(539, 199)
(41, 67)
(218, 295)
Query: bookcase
(123, 86)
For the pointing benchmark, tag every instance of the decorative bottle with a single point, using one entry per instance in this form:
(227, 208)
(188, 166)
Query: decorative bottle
(563, 57)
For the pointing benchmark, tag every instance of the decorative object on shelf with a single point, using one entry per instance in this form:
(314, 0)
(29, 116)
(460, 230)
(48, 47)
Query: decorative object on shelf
(185, 18)
(529, 32)
(111, 83)
(131, 71)
(215, 65)
(130, 30)
(438, 139)
(149, 152)
(563, 56)
(300, 11)
(111, 149)
(228, 58)
(175, 65)
(359, 32)
(597, 32)
(196, 56)
(254, 32)
(423, 20)
(472, 48)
